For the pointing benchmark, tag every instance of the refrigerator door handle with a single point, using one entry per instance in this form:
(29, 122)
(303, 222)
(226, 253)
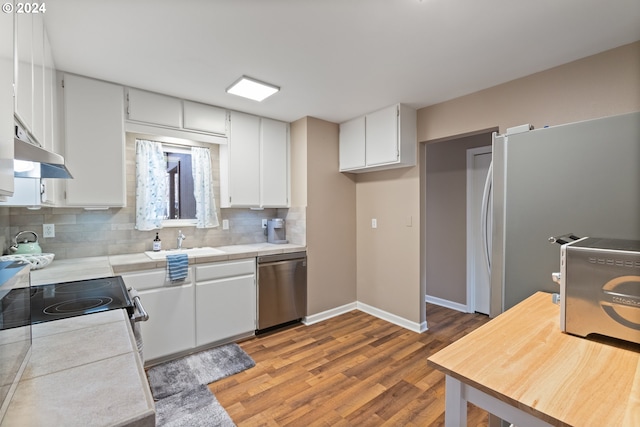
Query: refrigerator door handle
(485, 217)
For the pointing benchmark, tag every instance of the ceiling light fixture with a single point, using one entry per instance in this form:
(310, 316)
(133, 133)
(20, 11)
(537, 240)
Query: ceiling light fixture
(252, 88)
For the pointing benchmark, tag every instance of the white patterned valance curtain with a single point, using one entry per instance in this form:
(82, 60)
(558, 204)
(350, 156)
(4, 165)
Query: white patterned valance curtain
(206, 215)
(151, 185)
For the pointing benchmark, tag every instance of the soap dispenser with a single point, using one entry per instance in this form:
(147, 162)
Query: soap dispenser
(157, 243)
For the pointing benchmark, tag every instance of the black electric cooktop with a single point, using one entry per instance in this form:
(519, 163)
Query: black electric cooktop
(67, 299)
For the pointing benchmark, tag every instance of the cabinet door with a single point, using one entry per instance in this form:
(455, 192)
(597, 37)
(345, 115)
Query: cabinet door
(274, 163)
(50, 124)
(244, 160)
(6, 103)
(352, 144)
(23, 70)
(204, 118)
(171, 325)
(154, 108)
(382, 136)
(27, 193)
(94, 143)
(37, 52)
(225, 308)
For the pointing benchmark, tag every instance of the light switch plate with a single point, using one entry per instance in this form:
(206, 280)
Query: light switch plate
(225, 224)
(374, 223)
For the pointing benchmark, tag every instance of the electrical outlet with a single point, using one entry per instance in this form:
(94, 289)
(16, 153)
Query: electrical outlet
(48, 230)
(225, 224)
(264, 223)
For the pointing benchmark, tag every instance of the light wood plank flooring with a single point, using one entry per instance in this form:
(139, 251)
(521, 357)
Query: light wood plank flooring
(352, 370)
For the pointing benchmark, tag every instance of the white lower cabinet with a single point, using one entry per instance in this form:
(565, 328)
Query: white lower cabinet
(215, 303)
(225, 300)
(171, 325)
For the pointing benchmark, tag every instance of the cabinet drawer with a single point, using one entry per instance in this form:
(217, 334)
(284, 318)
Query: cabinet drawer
(151, 279)
(225, 269)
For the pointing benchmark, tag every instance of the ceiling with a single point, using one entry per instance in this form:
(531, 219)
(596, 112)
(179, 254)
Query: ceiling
(333, 59)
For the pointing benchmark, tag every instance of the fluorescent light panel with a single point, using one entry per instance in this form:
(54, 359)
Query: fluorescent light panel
(252, 89)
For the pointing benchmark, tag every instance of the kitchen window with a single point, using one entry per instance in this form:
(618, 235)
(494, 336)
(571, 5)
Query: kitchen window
(173, 186)
(180, 202)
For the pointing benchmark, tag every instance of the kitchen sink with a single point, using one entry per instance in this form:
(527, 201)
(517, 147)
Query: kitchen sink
(204, 251)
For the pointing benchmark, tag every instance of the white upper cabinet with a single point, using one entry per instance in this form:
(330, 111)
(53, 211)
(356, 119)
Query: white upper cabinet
(381, 130)
(50, 194)
(389, 140)
(154, 108)
(240, 163)
(94, 142)
(254, 165)
(6, 104)
(274, 163)
(34, 77)
(24, 70)
(352, 144)
(37, 52)
(50, 97)
(204, 118)
(148, 111)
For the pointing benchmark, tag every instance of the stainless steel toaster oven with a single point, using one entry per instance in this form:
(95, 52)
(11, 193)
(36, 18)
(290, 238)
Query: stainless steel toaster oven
(600, 288)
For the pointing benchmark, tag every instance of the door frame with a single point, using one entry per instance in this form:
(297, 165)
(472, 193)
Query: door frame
(471, 271)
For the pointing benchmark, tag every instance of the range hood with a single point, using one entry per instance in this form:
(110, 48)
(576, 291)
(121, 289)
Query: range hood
(51, 164)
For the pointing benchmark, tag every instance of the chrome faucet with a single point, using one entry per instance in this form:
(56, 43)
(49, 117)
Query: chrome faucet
(181, 237)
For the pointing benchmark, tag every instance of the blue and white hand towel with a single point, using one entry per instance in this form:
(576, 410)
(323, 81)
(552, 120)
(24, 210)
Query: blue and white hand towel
(177, 266)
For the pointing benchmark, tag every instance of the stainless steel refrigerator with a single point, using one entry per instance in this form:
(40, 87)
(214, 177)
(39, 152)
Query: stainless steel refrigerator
(581, 178)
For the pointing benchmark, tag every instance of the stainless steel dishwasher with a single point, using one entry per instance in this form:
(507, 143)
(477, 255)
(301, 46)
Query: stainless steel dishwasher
(282, 289)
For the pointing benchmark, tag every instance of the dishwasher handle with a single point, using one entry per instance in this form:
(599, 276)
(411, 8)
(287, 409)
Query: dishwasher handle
(264, 259)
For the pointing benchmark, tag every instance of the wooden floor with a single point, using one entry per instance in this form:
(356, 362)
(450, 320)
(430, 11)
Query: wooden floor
(352, 370)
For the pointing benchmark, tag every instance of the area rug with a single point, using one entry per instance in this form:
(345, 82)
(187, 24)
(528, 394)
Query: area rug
(180, 387)
(196, 407)
(197, 369)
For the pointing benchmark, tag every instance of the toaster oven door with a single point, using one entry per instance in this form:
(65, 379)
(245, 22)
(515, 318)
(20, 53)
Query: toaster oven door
(602, 294)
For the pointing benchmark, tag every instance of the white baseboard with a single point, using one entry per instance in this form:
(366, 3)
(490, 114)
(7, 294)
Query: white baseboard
(446, 303)
(396, 320)
(381, 314)
(325, 315)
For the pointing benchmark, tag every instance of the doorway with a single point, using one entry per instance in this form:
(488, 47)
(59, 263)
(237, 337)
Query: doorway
(479, 229)
(444, 215)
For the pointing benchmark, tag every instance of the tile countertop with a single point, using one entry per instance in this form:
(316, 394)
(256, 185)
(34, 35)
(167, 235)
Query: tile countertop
(78, 377)
(104, 266)
(133, 262)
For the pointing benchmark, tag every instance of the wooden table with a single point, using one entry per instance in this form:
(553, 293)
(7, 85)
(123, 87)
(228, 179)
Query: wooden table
(520, 367)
